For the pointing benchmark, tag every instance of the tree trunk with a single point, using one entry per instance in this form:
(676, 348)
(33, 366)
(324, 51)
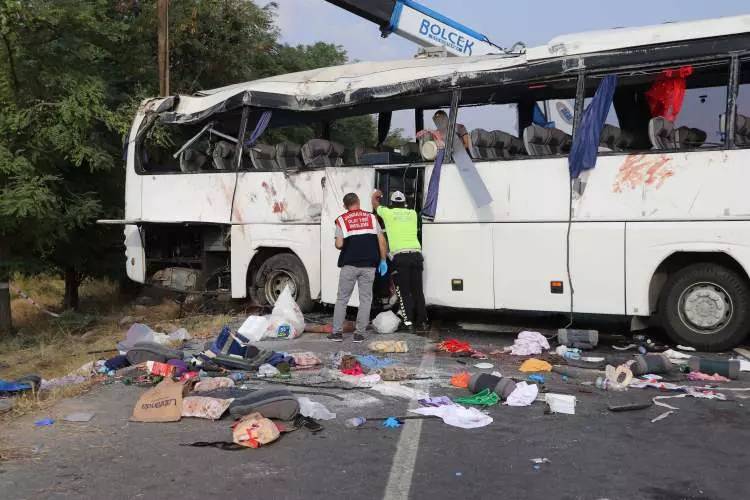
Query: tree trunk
(72, 282)
(6, 324)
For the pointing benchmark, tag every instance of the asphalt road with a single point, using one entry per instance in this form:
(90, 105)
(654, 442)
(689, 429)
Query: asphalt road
(699, 452)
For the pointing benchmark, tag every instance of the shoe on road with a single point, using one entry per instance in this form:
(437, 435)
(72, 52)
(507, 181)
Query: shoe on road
(358, 337)
(336, 337)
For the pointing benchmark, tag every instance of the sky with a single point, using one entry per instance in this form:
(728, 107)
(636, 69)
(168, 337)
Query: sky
(533, 22)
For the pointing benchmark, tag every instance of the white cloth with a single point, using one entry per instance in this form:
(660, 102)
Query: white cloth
(313, 409)
(528, 343)
(457, 416)
(523, 395)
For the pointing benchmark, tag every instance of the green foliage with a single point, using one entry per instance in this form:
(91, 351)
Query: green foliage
(72, 74)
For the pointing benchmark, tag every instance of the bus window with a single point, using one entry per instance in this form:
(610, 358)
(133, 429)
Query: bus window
(517, 121)
(647, 113)
(742, 124)
(169, 148)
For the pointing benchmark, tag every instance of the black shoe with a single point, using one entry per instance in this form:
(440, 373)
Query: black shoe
(358, 337)
(336, 337)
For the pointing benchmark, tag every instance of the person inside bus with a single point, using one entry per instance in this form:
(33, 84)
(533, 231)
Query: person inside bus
(401, 225)
(363, 249)
(440, 119)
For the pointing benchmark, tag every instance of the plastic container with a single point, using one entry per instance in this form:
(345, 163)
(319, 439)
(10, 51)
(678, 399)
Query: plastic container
(355, 422)
(729, 369)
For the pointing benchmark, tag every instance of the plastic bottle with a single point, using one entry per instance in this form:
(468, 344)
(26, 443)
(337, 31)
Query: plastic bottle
(355, 422)
(237, 376)
(571, 354)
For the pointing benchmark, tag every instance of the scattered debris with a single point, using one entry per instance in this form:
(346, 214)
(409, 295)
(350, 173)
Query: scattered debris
(389, 346)
(561, 403)
(79, 417)
(313, 409)
(484, 366)
(392, 423)
(535, 365)
(662, 416)
(529, 343)
(45, 422)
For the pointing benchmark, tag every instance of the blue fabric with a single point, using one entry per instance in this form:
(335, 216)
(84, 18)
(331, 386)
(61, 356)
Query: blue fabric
(374, 363)
(117, 362)
(10, 386)
(260, 127)
(585, 147)
(430, 203)
(538, 118)
(225, 344)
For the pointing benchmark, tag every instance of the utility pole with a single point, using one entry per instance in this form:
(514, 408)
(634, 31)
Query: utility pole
(163, 46)
(6, 325)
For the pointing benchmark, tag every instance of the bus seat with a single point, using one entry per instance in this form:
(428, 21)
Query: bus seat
(742, 131)
(541, 141)
(322, 153)
(688, 137)
(507, 145)
(661, 133)
(483, 144)
(222, 155)
(360, 151)
(410, 151)
(615, 139)
(263, 157)
(288, 155)
(192, 160)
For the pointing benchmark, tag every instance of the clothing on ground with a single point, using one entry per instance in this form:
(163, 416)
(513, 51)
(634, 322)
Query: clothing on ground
(456, 415)
(523, 395)
(363, 277)
(535, 365)
(528, 343)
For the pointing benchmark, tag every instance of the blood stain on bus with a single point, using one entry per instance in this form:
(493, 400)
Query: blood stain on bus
(279, 207)
(639, 169)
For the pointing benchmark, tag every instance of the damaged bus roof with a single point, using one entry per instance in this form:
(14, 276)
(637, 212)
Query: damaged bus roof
(359, 83)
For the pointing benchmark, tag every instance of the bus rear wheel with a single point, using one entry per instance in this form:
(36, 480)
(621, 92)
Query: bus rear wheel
(706, 306)
(276, 273)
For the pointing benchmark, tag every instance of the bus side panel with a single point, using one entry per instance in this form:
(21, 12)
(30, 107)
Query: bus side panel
(135, 255)
(528, 256)
(650, 243)
(338, 182)
(597, 265)
(303, 240)
(458, 252)
(133, 181)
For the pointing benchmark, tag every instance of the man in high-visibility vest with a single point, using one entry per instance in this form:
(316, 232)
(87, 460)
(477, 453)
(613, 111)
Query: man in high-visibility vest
(401, 226)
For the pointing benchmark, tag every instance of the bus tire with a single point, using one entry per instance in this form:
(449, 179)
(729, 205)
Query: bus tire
(706, 306)
(274, 274)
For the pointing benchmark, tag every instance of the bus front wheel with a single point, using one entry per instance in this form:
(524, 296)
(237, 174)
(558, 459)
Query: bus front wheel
(707, 306)
(276, 273)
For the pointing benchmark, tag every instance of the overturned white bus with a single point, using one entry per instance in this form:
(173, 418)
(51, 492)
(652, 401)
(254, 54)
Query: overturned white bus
(661, 225)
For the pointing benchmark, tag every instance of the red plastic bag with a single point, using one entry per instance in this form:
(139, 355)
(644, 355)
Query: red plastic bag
(667, 93)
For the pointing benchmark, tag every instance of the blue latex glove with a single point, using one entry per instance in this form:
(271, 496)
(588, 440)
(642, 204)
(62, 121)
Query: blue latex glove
(382, 267)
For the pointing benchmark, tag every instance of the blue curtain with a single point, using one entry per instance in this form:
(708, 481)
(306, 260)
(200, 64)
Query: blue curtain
(260, 127)
(585, 147)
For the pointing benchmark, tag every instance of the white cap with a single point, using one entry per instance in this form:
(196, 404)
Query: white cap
(398, 197)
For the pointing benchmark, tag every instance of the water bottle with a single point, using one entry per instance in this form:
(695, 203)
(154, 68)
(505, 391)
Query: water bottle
(355, 422)
(572, 354)
(237, 376)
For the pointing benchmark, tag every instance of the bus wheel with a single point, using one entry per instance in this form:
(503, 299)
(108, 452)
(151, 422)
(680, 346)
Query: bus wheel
(706, 306)
(275, 274)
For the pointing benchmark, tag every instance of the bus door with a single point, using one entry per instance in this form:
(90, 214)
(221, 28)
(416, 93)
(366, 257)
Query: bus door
(339, 181)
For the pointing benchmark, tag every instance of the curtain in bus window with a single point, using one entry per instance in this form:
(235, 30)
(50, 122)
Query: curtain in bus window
(260, 127)
(585, 147)
(666, 94)
(430, 203)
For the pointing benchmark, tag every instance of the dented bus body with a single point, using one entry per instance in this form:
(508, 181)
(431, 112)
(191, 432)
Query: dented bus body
(659, 227)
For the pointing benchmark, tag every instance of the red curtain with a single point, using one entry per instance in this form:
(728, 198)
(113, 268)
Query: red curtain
(667, 93)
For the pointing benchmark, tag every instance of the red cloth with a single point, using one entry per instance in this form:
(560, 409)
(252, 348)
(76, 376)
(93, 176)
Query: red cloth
(667, 93)
(357, 370)
(454, 346)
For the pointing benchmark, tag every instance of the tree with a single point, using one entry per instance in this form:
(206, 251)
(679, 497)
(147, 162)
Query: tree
(71, 75)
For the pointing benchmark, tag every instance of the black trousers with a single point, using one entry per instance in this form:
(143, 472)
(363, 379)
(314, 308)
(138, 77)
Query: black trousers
(408, 277)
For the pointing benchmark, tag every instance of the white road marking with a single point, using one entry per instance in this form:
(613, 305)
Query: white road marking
(402, 469)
